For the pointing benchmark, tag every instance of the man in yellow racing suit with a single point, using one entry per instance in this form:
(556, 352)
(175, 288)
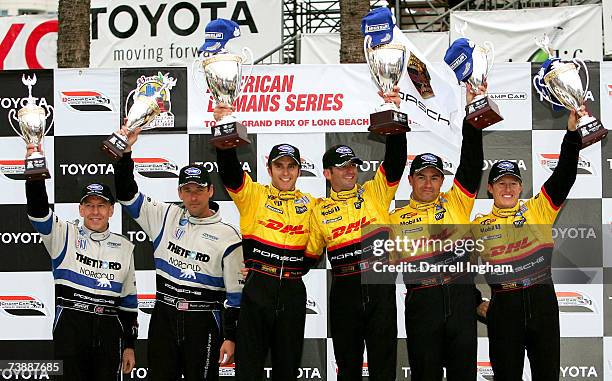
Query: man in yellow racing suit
(523, 313)
(360, 310)
(274, 222)
(440, 314)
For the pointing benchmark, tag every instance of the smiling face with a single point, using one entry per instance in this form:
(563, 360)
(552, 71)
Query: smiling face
(195, 198)
(426, 184)
(284, 172)
(506, 191)
(96, 212)
(342, 178)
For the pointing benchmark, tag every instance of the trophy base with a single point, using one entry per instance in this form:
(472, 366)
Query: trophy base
(388, 122)
(592, 132)
(482, 113)
(114, 146)
(36, 168)
(229, 135)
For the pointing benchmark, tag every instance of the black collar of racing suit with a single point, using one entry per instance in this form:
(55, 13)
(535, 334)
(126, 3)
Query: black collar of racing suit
(214, 218)
(508, 212)
(93, 235)
(418, 205)
(283, 195)
(344, 195)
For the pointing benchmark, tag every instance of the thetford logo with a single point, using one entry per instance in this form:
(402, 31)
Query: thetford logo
(575, 301)
(146, 302)
(12, 169)
(510, 96)
(549, 162)
(86, 101)
(308, 168)
(188, 254)
(98, 263)
(312, 306)
(21, 305)
(147, 86)
(156, 167)
(377, 27)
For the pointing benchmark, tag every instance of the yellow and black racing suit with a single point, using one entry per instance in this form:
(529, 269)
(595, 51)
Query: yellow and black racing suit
(274, 226)
(523, 312)
(440, 310)
(360, 309)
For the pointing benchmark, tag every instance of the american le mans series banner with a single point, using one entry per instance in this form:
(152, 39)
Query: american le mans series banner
(285, 104)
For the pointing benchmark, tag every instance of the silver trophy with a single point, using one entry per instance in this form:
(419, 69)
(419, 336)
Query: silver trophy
(32, 121)
(223, 73)
(560, 84)
(387, 64)
(482, 112)
(145, 108)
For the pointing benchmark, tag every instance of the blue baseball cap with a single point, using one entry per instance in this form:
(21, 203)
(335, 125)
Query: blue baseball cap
(378, 24)
(217, 33)
(459, 58)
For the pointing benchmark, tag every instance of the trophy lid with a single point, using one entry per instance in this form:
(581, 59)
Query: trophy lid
(378, 26)
(217, 33)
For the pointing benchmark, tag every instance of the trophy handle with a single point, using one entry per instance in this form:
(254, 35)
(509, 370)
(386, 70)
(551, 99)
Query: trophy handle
(196, 66)
(367, 42)
(578, 62)
(52, 115)
(246, 53)
(366, 45)
(133, 95)
(539, 86)
(490, 48)
(11, 116)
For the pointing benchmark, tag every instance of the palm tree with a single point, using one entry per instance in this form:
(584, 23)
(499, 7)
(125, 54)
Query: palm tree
(351, 39)
(73, 34)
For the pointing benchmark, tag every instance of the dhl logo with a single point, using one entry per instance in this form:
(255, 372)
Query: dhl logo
(511, 247)
(352, 227)
(282, 228)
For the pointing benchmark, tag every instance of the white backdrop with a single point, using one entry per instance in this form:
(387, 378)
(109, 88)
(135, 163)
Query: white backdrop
(324, 48)
(169, 32)
(512, 32)
(28, 42)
